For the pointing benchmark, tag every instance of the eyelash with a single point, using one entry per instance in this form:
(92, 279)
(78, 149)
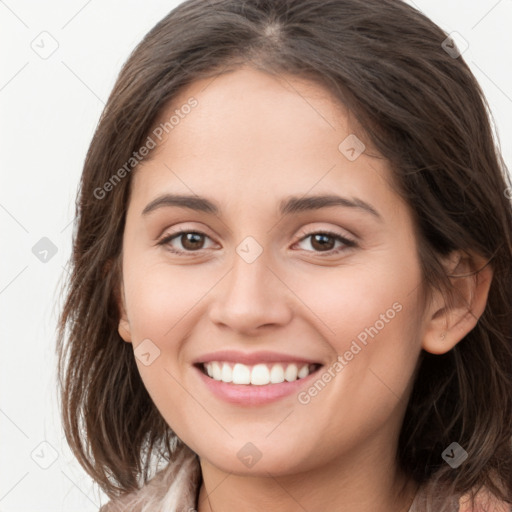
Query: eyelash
(347, 242)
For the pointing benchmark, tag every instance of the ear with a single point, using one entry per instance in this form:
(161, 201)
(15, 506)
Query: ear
(448, 321)
(124, 325)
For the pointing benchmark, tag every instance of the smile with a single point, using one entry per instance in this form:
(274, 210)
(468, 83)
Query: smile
(260, 374)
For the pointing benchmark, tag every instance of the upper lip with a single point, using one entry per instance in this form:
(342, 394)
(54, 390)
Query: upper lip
(235, 356)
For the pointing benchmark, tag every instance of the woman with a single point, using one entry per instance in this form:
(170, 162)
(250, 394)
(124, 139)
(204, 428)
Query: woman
(291, 282)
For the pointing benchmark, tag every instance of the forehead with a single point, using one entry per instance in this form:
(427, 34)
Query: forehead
(252, 108)
(253, 133)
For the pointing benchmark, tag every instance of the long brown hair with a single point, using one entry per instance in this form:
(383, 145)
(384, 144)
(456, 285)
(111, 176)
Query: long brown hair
(422, 109)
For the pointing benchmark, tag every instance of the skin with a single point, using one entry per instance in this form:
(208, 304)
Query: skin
(253, 140)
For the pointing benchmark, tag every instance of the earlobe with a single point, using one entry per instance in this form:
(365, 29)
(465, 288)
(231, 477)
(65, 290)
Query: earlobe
(124, 325)
(449, 321)
(124, 330)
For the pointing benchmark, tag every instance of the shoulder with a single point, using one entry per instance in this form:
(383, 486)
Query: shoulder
(436, 496)
(484, 501)
(174, 488)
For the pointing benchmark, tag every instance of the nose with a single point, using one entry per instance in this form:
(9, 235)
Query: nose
(250, 297)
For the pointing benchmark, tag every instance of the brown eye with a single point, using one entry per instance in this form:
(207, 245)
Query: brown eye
(325, 242)
(190, 241)
(322, 242)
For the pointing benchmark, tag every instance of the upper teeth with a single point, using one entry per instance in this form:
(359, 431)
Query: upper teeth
(258, 375)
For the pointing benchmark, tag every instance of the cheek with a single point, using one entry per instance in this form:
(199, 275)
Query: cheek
(159, 296)
(161, 301)
(363, 301)
(369, 319)
(369, 314)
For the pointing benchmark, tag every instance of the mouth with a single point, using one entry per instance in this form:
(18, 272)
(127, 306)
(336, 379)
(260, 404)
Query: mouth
(260, 374)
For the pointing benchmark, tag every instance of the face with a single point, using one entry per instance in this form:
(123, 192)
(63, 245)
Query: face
(256, 272)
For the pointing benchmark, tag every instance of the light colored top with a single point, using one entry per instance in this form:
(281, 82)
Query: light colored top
(176, 489)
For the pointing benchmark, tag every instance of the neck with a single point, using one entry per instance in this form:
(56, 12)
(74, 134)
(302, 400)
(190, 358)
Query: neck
(364, 483)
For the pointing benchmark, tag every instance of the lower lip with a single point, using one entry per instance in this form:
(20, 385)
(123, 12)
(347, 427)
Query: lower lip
(249, 394)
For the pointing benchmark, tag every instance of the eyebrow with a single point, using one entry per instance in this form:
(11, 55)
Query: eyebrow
(292, 204)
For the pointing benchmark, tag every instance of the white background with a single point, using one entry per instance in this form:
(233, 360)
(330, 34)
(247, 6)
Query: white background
(49, 109)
